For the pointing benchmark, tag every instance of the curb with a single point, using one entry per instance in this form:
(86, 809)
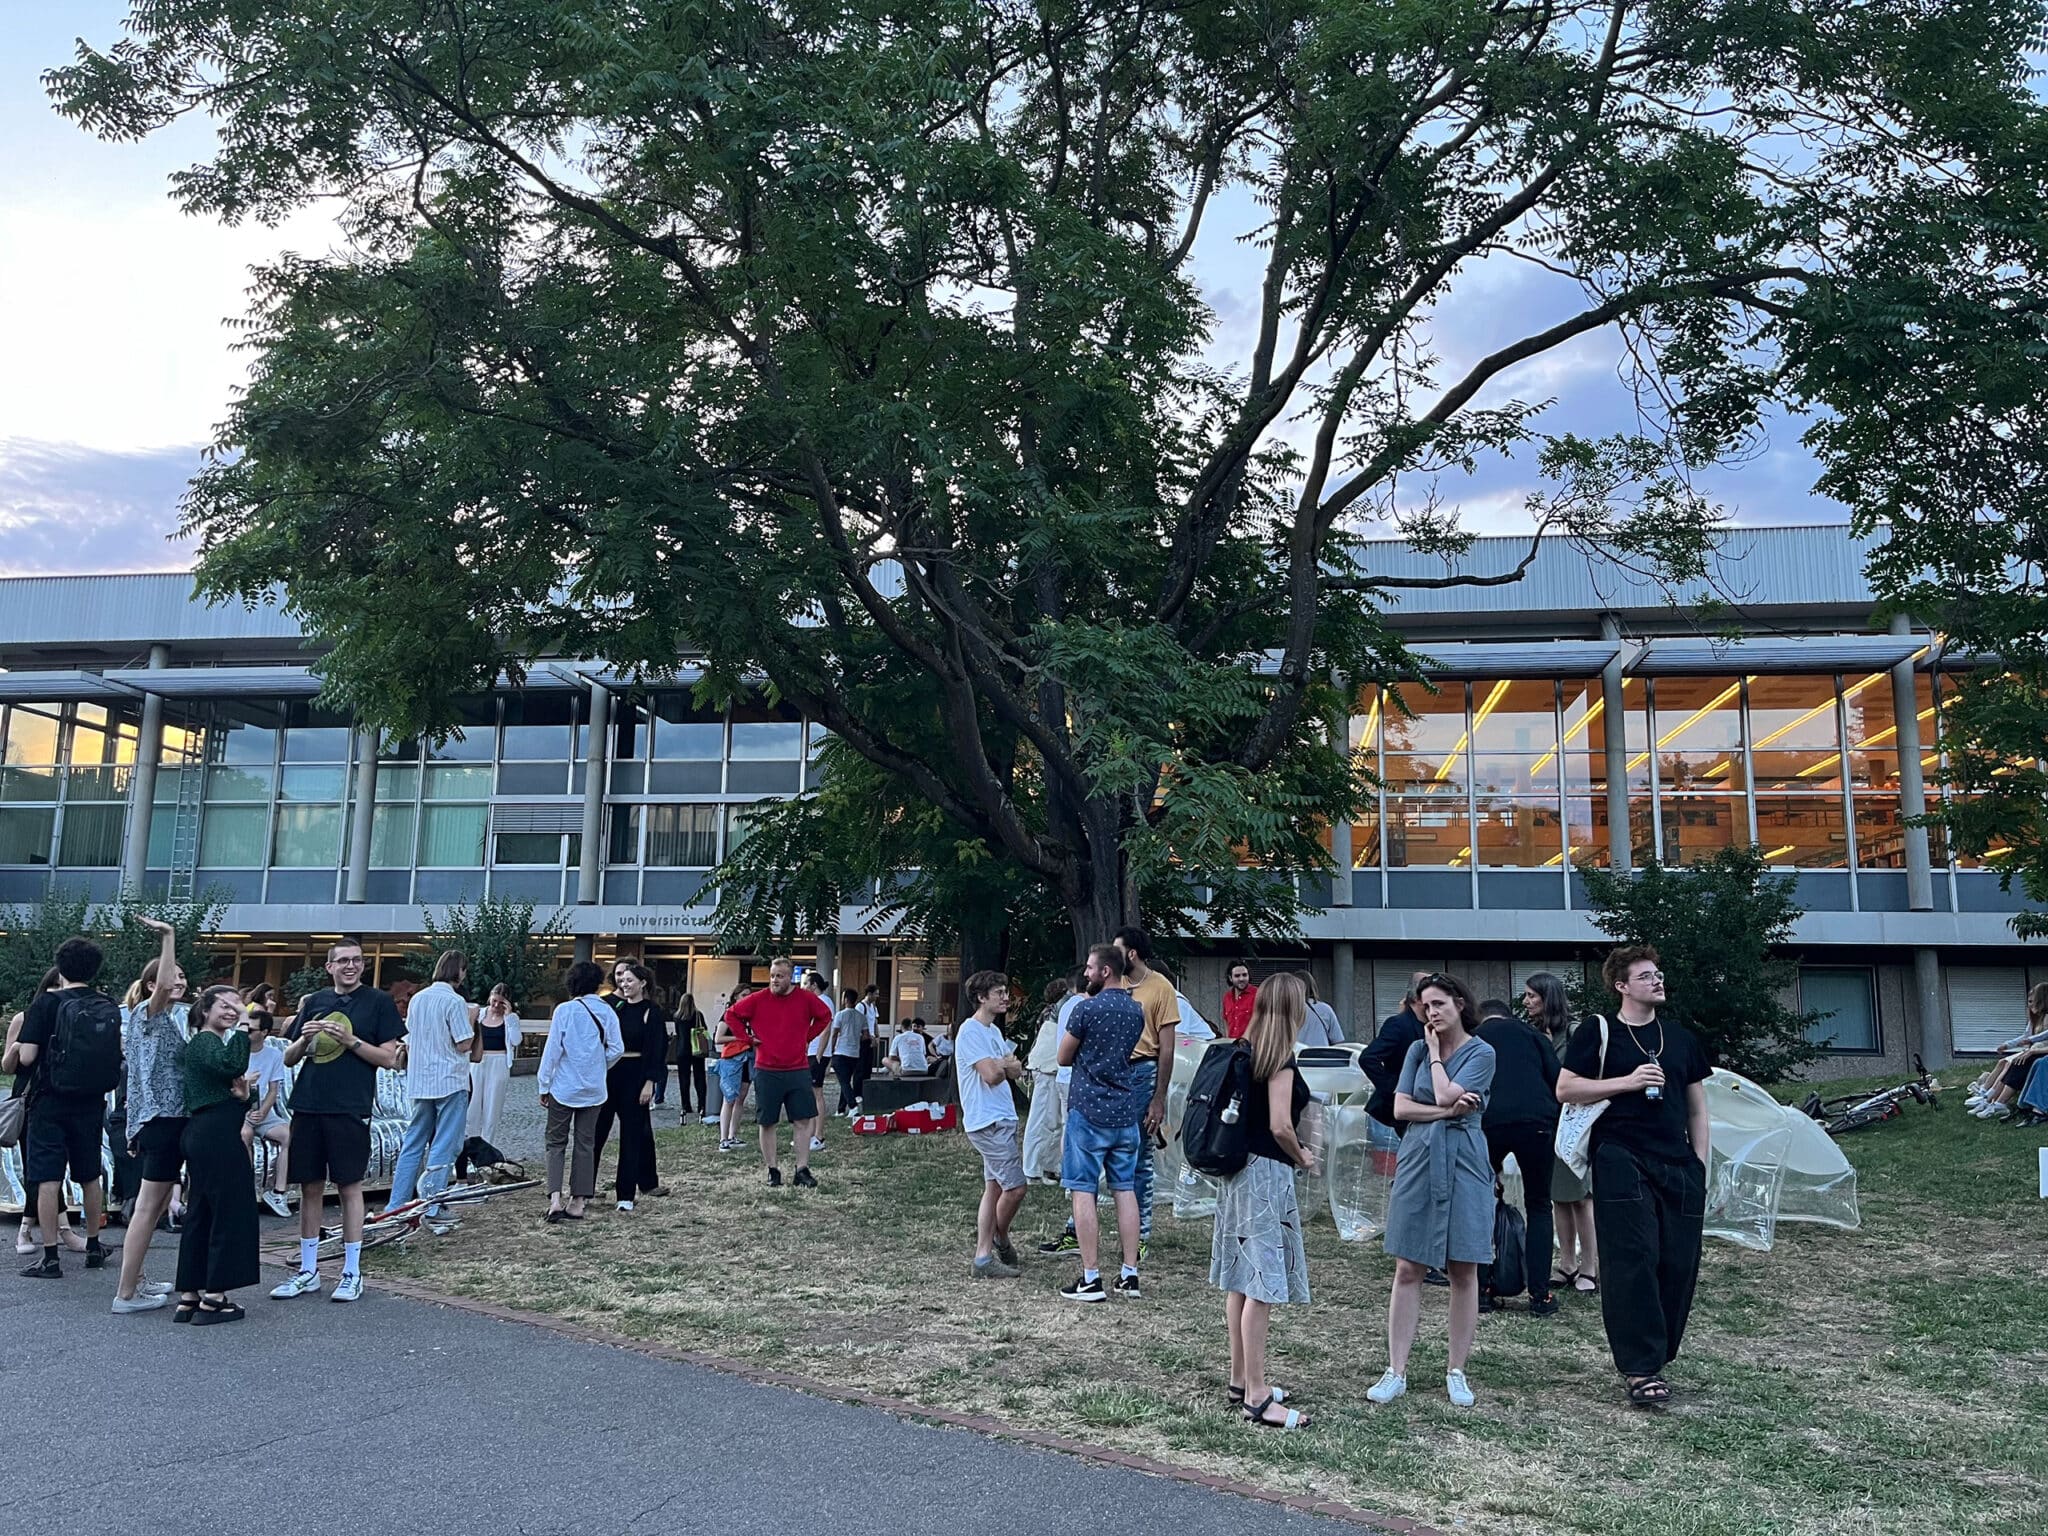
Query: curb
(904, 1408)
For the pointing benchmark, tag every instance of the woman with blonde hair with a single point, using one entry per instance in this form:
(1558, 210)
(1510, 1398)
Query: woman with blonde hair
(490, 1068)
(2016, 1057)
(1255, 1251)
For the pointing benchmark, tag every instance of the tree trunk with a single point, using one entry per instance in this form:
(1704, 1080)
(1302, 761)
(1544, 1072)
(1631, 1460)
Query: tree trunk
(1105, 902)
(981, 945)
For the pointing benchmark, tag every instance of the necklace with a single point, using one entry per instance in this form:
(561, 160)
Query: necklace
(1658, 1054)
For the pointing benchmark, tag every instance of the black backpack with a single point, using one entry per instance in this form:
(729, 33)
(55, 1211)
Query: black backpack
(1508, 1272)
(85, 1045)
(1213, 1135)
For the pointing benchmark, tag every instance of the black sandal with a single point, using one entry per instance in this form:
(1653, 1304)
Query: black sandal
(553, 1218)
(1652, 1392)
(1564, 1280)
(1237, 1395)
(226, 1312)
(1295, 1418)
(185, 1312)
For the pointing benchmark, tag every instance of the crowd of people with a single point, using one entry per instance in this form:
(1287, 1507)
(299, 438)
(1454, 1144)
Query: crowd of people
(2015, 1090)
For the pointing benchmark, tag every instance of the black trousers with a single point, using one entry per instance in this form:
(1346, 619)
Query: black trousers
(1533, 1146)
(1648, 1216)
(636, 1172)
(847, 1070)
(217, 1248)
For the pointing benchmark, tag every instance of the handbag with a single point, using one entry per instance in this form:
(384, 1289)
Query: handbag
(1574, 1140)
(13, 1119)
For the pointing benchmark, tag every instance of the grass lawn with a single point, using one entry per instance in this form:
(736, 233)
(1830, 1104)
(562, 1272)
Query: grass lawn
(1889, 1380)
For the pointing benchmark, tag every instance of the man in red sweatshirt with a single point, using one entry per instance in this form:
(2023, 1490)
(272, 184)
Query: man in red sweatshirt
(1238, 1000)
(782, 1020)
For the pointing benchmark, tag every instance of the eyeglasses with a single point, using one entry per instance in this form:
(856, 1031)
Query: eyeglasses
(1647, 976)
(349, 960)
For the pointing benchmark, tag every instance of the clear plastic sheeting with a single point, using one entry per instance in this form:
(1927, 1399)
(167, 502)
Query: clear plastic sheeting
(1819, 1185)
(1770, 1163)
(1359, 1158)
(1744, 1178)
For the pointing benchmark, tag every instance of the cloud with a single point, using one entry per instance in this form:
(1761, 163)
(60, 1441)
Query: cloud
(75, 510)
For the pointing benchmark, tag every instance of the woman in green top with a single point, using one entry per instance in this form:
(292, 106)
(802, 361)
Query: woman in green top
(217, 1253)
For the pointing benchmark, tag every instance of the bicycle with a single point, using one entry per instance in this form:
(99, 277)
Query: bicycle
(1853, 1112)
(403, 1222)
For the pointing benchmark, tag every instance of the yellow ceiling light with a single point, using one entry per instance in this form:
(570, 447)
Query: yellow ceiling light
(1368, 733)
(1553, 861)
(1779, 853)
(1688, 722)
(1592, 714)
(1478, 719)
(1462, 854)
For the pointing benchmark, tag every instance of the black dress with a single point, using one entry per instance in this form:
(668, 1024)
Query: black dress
(644, 1029)
(217, 1249)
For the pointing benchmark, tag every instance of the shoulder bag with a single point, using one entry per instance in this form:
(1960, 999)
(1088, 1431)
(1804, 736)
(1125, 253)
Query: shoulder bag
(1575, 1126)
(13, 1119)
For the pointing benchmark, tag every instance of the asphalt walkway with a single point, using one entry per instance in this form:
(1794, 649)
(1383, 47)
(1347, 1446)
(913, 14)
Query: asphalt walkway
(399, 1415)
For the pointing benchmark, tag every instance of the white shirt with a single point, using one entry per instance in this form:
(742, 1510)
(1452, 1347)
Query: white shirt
(908, 1049)
(437, 1036)
(1192, 1024)
(1045, 1050)
(849, 1027)
(583, 1042)
(981, 1105)
(266, 1067)
(1074, 1000)
(943, 1046)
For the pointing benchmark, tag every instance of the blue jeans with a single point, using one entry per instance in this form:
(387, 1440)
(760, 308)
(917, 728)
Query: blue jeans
(1147, 1073)
(1091, 1156)
(426, 1158)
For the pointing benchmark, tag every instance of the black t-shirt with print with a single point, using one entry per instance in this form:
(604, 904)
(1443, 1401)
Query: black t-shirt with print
(346, 1085)
(1653, 1127)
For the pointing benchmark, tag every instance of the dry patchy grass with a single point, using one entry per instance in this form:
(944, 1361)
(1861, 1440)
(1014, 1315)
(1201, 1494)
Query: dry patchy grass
(1888, 1380)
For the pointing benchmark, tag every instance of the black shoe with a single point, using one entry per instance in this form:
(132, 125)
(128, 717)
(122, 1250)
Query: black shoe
(1543, 1306)
(1085, 1290)
(95, 1256)
(1066, 1242)
(1435, 1276)
(775, 1178)
(803, 1179)
(1488, 1302)
(44, 1269)
(1127, 1287)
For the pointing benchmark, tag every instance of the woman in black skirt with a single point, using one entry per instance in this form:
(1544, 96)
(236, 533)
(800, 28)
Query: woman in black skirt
(217, 1253)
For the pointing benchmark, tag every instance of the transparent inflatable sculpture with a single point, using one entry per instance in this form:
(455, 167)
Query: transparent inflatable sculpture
(1359, 1158)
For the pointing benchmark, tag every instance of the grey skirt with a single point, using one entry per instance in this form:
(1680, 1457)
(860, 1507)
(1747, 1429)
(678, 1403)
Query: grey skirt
(1566, 1187)
(1256, 1249)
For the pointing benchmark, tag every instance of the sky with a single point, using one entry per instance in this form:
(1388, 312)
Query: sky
(119, 360)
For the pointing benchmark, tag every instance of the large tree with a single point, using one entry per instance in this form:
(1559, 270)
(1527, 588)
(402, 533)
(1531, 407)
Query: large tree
(863, 347)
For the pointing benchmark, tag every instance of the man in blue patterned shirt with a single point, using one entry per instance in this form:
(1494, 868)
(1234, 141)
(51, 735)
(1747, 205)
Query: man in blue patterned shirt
(1105, 1104)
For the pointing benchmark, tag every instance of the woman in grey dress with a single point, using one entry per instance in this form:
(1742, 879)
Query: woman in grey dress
(1441, 1209)
(1255, 1253)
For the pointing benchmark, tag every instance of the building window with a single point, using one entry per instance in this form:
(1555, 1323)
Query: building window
(1847, 997)
(1428, 830)
(1802, 831)
(623, 846)
(477, 720)
(233, 836)
(307, 837)
(682, 836)
(31, 736)
(315, 735)
(539, 727)
(685, 733)
(1518, 832)
(767, 740)
(452, 836)
(25, 833)
(544, 849)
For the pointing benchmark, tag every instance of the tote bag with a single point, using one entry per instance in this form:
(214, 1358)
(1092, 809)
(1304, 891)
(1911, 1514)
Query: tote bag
(1575, 1126)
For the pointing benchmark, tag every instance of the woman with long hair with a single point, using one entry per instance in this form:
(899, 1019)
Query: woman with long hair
(2032, 1080)
(1440, 1212)
(217, 1250)
(1548, 1009)
(629, 1085)
(491, 1071)
(1255, 1252)
(693, 1044)
(30, 1237)
(154, 1043)
(2015, 1064)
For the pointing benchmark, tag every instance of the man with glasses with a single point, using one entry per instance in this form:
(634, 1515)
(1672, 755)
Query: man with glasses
(343, 1034)
(1649, 1167)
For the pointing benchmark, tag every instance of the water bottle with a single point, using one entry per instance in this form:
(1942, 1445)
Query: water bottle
(1229, 1115)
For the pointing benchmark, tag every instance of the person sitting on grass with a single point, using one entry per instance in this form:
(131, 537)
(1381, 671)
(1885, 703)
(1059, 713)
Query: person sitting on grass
(1107, 1101)
(987, 1065)
(2016, 1058)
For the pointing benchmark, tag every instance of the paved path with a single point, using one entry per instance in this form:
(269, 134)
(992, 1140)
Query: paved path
(397, 1415)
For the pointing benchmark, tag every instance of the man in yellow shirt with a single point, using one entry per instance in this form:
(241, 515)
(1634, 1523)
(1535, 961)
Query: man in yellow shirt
(1156, 994)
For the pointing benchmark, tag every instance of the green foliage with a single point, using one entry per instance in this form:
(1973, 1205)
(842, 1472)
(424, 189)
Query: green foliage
(32, 933)
(1719, 929)
(1994, 732)
(502, 944)
(662, 326)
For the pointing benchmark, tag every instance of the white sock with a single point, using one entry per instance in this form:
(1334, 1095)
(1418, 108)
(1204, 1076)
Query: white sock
(309, 1255)
(350, 1254)
(1090, 1276)
(1129, 1270)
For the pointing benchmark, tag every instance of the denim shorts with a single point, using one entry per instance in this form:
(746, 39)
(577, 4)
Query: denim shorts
(1092, 1154)
(732, 1072)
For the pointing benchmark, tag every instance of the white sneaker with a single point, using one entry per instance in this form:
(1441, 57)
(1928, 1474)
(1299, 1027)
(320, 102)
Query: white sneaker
(305, 1283)
(153, 1288)
(1387, 1388)
(626, 1206)
(348, 1288)
(710, 1120)
(817, 1144)
(1459, 1389)
(276, 1204)
(140, 1303)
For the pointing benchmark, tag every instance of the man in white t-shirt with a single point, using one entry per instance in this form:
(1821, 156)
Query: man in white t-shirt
(907, 1053)
(987, 1065)
(267, 1076)
(1077, 994)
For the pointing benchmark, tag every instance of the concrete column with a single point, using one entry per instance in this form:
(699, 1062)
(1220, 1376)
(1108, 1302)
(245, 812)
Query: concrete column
(1912, 783)
(1343, 988)
(1616, 716)
(590, 873)
(828, 965)
(357, 886)
(1932, 1007)
(586, 947)
(149, 750)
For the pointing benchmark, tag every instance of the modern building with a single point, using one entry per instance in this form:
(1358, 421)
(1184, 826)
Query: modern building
(153, 742)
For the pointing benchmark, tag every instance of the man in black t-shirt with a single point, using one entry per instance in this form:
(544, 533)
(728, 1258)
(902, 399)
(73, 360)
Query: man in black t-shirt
(63, 1130)
(332, 1101)
(1649, 1168)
